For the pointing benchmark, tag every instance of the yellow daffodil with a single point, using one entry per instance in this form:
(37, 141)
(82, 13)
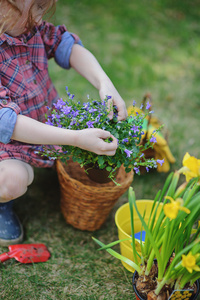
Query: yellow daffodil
(171, 209)
(189, 262)
(191, 167)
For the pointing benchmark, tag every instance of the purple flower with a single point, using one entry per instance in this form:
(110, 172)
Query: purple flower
(75, 113)
(86, 105)
(108, 97)
(73, 122)
(66, 110)
(134, 102)
(125, 140)
(160, 161)
(153, 139)
(128, 152)
(147, 169)
(137, 170)
(135, 128)
(90, 124)
(49, 122)
(148, 105)
(71, 96)
(141, 106)
(154, 164)
(59, 104)
(91, 110)
(97, 119)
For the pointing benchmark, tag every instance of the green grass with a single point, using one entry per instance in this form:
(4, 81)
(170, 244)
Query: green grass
(144, 46)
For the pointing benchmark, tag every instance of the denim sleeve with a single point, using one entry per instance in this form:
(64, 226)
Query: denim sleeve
(63, 52)
(8, 118)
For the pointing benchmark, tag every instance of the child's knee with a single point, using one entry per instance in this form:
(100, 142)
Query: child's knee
(14, 179)
(11, 187)
(12, 190)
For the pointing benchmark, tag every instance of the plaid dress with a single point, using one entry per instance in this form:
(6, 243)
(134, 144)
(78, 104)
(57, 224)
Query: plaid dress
(25, 85)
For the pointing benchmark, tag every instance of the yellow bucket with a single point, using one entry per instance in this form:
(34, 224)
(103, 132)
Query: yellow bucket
(122, 220)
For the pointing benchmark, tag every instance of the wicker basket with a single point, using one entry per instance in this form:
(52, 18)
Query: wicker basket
(86, 204)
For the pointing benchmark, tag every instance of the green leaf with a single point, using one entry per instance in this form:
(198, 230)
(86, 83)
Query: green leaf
(108, 169)
(149, 234)
(119, 256)
(114, 243)
(100, 160)
(131, 199)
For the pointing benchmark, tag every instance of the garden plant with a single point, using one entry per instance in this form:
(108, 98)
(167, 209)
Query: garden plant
(173, 239)
(75, 115)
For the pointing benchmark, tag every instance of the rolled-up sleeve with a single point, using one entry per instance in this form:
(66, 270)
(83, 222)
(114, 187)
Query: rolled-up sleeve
(8, 118)
(51, 36)
(63, 52)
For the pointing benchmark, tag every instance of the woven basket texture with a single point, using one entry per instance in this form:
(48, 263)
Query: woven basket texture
(86, 204)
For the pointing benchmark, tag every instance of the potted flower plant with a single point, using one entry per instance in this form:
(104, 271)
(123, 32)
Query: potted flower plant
(94, 113)
(168, 266)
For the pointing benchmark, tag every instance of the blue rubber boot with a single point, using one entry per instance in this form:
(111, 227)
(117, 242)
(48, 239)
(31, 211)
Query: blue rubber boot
(11, 231)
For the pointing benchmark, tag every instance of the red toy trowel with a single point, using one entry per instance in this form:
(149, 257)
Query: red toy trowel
(27, 253)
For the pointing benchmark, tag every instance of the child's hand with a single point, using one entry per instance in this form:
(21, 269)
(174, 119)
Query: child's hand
(92, 139)
(108, 89)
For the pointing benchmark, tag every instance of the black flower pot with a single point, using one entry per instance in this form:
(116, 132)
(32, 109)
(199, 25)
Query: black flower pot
(139, 297)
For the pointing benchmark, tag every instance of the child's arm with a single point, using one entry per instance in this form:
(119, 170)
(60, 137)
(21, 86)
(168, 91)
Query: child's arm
(28, 130)
(84, 62)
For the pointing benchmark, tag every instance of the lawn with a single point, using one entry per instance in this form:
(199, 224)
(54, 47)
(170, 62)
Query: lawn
(144, 46)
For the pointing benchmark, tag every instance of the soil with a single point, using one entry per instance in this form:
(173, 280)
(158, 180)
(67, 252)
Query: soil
(146, 286)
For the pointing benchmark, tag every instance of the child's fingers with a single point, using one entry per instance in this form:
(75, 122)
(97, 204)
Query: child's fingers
(110, 153)
(103, 134)
(98, 141)
(107, 135)
(121, 108)
(110, 108)
(122, 111)
(108, 148)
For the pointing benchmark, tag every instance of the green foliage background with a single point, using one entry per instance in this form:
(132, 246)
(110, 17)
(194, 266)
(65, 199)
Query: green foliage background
(144, 46)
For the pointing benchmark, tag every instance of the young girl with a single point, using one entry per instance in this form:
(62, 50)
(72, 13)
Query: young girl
(26, 44)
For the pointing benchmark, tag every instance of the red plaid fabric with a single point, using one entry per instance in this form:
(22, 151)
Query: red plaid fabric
(25, 85)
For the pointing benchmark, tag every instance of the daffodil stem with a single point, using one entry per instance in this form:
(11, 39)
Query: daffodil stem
(131, 198)
(160, 285)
